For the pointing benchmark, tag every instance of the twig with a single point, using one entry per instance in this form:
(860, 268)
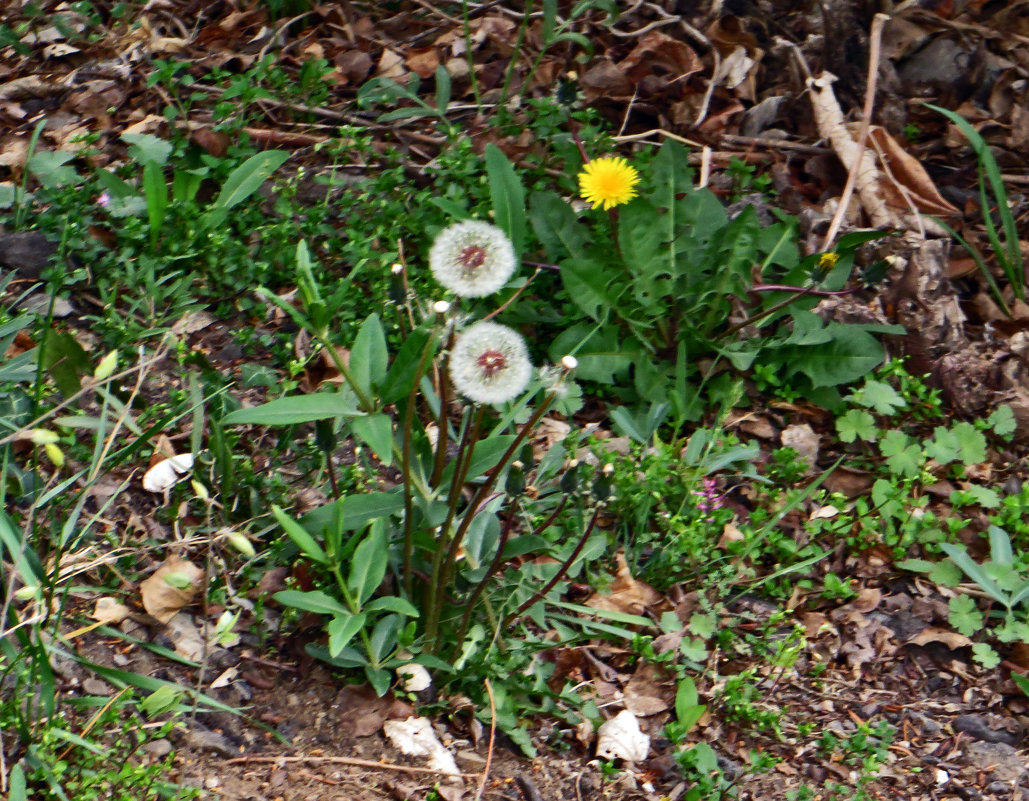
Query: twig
(492, 739)
(870, 84)
(511, 299)
(358, 763)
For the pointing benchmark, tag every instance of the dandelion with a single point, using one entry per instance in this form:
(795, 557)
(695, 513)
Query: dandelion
(489, 363)
(472, 259)
(608, 182)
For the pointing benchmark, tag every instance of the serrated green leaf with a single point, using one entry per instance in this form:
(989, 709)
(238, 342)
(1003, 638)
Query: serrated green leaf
(984, 654)
(857, 423)
(1002, 421)
(971, 443)
(965, 615)
(880, 396)
(902, 457)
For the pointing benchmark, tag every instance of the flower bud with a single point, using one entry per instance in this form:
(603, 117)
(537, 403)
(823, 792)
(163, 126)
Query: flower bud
(241, 544)
(54, 454)
(569, 362)
(570, 479)
(441, 306)
(515, 484)
(40, 436)
(26, 593)
(106, 368)
(397, 289)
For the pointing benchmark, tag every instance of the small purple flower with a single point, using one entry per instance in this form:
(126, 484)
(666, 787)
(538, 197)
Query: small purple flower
(708, 499)
(104, 200)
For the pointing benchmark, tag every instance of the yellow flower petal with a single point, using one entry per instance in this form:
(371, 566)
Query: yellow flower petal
(608, 182)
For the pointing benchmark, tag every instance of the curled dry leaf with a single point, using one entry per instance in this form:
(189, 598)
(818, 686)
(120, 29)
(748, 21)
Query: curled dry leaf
(627, 594)
(650, 690)
(166, 473)
(621, 738)
(951, 639)
(414, 678)
(829, 118)
(415, 737)
(171, 587)
(108, 610)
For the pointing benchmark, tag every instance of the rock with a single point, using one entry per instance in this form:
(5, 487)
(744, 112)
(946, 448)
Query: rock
(28, 253)
(1000, 760)
(93, 686)
(203, 740)
(158, 748)
(804, 441)
(991, 730)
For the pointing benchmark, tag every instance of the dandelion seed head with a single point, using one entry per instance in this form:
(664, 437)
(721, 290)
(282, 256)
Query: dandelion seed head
(489, 363)
(472, 258)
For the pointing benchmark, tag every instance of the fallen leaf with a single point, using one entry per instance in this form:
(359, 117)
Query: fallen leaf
(951, 639)
(416, 737)
(170, 588)
(108, 610)
(650, 690)
(167, 473)
(626, 593)
(621, 738)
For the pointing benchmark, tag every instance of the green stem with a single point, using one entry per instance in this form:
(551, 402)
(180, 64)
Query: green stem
(470, 55)
(509, 74)
(442, 577)
(355, 608)
(407, 471)
(434, 589)
(561, 571)
(770, 310)
(498, 560)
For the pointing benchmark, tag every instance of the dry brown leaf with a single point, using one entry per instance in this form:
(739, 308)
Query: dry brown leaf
(422, 61)
(150, 124)
(829, 119)
(391, 65)
(672, 57)
(951, 639)
(650, 690)
(161, 599)
(907, 171)
(108, 610)
(626, 594)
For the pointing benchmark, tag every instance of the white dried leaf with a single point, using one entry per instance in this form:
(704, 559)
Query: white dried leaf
(414, 678)
(416, 737)
(167, 473)
(621, 738)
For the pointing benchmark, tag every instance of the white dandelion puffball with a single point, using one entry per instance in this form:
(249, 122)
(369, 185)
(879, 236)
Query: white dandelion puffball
(489, 363)
(472, 259)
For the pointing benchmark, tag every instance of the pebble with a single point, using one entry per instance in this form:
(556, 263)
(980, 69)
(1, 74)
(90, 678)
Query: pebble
(158, 748)
(211, 782)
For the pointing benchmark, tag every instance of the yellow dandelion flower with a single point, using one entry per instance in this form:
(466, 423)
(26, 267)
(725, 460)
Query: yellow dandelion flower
(608, 182)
